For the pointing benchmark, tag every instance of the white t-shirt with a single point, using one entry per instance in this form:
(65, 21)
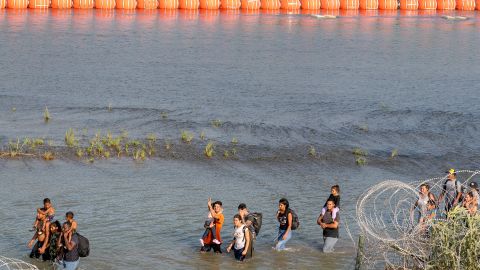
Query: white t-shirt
(239, 236)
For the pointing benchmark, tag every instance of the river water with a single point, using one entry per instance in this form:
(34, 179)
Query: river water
(277, 82)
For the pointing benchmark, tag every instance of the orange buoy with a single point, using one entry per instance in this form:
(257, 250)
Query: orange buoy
(330, 4)
(231, 4)
(251, 4)
(477, 4)
(147, 4)
(290, 4)
(126, 4)
(3, 4)
(83, 4)
(446, 4)
(368, 4)
(270, 4)
(312, 4)
(466, 4)
(189, 4)
(39, 4)
(105, 4)
(349, 4)
(427, 4)
(62, 4)
(209, 4)
(17, 4)
(168, 4)
(408, 4)
(387, 4)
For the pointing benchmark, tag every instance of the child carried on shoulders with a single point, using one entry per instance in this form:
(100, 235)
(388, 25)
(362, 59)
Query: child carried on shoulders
(334, 196)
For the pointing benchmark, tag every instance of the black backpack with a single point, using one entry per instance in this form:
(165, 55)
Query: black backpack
(83, 246)
(295, 221)
(256, 222)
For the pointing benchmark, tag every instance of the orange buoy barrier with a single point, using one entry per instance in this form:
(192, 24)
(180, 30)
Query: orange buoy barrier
(466, 4)
(477, 4)
(349, 4)
(290, 4)
(230, 4)
(39, 4)
(83, 4)
(62, 4)
(446, 4)
(209, 4)
(105, 4)
(330, 4)
(147, 4)
(250, 4)
(126, 4)
(387, 4)
(312, 4)
(408, 4)
(18, 4)
(3, 4)
(189, 4)
(168, 4)
(368, 4)
(427, 4)
(270, 4)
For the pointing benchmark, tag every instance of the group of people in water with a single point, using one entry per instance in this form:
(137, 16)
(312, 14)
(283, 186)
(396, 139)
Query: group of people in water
(247, 226)
(53, 241)
(452, 193)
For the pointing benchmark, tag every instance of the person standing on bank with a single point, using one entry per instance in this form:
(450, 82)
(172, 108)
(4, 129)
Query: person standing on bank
(329, 223)
(284, 217)
(71, 258)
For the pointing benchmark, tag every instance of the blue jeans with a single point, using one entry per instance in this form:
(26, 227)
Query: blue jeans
(329, 243)
(238, 254)
(281, 243)
(69, 265)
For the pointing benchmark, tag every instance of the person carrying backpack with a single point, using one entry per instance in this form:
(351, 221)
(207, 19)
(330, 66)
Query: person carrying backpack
(285, 218)
(451, 190)
(70, 241)
(253, 221)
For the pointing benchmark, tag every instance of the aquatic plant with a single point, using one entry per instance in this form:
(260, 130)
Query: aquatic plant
(139, 154)
(109, 108)
(311, 151)
(186, 136)
(360, 161)
(168, 145)
(216, 123)
(209, 149)
(363, 128)
(164, 115)
(152, 137)
(226, 154)
(202, 135)
(234, 151)
(79, 152)
(234, 141)
(14, 109)
(70, 139)
(48, 156)
(359, 152)
(394, 153)
(46, 114)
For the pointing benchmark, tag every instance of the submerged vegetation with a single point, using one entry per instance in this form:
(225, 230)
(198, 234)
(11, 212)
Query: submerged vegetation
(46, 114)
(360, 156)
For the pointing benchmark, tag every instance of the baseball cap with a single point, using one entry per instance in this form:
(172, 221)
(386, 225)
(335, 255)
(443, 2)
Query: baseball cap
(451, 171)
(473, 185)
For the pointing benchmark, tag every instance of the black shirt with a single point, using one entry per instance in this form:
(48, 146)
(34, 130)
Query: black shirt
(327, 218)
(336, 199)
